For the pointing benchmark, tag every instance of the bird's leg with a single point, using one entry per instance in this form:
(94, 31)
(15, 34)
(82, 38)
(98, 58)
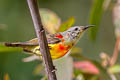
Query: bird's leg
(54, 69)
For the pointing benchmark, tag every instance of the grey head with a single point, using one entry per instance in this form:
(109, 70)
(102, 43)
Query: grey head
(74, 33)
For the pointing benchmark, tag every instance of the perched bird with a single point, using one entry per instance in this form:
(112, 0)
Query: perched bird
(59, 44)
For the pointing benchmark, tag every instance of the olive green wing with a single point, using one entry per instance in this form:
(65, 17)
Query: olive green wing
(30, 46)
(51, 38)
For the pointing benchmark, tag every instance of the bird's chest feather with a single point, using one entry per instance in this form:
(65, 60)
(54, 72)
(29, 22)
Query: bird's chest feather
(59, 50)
(56, 50)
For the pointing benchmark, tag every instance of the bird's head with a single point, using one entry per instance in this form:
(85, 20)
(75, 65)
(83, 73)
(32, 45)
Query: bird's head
(74, 33)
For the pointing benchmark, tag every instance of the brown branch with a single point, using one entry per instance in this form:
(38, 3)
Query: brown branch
(115, 53)
(50, 70)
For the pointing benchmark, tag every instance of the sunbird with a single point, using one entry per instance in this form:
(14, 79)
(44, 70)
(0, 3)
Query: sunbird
(59, 43)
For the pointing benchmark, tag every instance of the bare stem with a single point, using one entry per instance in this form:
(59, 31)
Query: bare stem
(42, 39)
(115, 53)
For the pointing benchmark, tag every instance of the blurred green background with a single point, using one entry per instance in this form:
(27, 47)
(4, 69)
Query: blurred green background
(16, 25)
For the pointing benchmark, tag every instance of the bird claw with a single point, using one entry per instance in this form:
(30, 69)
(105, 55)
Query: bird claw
(54, 69)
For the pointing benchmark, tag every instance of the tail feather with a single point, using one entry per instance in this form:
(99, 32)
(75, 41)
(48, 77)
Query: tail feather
(13, 44)
(27, 47)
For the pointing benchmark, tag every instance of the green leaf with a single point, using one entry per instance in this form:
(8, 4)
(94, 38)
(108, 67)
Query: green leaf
(76, 50)
(67, 24)
(78, 56)
(114, 69)
(50, 20)
(9, 49)
(95, 16)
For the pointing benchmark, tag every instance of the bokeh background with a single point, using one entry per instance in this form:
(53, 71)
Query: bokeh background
(16, 25)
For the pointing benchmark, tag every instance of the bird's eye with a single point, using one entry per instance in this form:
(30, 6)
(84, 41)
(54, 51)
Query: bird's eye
(76, 29)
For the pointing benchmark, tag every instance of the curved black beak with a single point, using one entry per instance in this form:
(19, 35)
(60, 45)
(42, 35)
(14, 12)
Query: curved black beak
(88, 26)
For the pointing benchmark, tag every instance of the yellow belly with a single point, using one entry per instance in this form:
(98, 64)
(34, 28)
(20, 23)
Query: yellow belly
(56, 50)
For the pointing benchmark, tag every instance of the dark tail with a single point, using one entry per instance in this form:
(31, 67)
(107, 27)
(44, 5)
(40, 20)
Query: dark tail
(19, 44)
(8, 44)
(27, 47)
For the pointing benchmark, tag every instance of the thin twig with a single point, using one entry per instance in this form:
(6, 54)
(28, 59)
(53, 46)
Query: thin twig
(115, 53)
(42, 39)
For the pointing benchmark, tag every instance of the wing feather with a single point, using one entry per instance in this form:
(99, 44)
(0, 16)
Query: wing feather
(51, 38)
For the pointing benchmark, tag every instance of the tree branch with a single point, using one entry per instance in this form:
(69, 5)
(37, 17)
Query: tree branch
(50, 69)
(115, 53)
